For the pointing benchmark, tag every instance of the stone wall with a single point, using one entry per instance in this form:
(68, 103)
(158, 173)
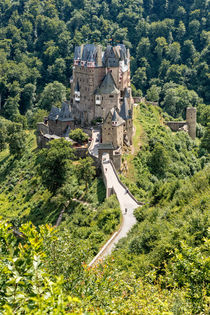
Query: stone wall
(107, 103)
(89, 79)
(59, 127)
(42, 129)
(175, 125)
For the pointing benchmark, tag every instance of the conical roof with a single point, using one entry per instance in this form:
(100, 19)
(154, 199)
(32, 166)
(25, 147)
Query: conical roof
(77, 53)
(107, 86)
(116, 117)
(126, 93)
(125, 113)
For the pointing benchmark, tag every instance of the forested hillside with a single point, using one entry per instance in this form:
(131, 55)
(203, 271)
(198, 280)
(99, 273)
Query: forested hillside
(162, 266)
(54, 216)
(169, 42)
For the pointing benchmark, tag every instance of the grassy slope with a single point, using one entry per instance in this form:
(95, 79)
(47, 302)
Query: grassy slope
(182, 153)
(23, 198)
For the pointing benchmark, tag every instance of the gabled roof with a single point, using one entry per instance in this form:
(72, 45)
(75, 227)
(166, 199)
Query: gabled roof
(65, 112)
(62, 114)
(107, 86)
(89, 52)
(54, 113)
(118, 52)
(125, 113)
(110, 54)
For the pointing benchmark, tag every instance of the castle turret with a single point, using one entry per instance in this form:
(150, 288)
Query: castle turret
(191, 121)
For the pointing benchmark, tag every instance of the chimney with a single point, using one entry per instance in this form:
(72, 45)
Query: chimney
(99, 56)
(82, 47)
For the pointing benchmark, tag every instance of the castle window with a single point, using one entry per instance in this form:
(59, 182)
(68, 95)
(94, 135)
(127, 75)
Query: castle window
(111, 96)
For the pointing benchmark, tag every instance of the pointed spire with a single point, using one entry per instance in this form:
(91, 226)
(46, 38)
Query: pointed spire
(125, 113)
(107, 86)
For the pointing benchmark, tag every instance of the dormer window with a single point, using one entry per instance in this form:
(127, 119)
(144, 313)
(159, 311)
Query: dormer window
(77, 96)
(83, 63)
(98, 99)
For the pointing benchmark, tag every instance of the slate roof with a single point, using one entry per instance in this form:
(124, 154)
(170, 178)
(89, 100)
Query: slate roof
(105, 146)
(116, 117)
(89, 52)
(125, 113)
(77, 53)
(107, 86)
(62, 114)
(54, 113)
(65, 112)
(118, 52)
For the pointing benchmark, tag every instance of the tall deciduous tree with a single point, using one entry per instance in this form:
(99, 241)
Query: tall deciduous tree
(86, 171)
(53, 94)
(54, 164)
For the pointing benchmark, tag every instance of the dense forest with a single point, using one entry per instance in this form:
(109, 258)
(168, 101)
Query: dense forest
(169, 43)
(55, 217)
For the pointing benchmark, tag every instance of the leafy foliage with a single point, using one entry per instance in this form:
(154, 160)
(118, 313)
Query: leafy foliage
(78, 135)
(169, 42)
(54, 163)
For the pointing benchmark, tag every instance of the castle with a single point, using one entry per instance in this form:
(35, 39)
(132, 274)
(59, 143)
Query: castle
(100, 91)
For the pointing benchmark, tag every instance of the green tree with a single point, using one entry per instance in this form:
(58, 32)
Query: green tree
(3, 135)
(140, 78)
(34, 117)
(205, 141)
(177, 98)
(86, 171)
(54, 164)
(153, 93)
(158, 161)
(53, 94)
(28, 97)
(78, 135)
(17, 143)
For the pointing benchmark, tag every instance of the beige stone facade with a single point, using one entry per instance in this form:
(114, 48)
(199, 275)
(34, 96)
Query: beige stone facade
(100, 88)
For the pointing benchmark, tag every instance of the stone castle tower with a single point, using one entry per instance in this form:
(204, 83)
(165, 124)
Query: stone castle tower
(191, 121)
(100, 81)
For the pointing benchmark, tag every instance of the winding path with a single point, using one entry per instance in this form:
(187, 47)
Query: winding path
(127, 202)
